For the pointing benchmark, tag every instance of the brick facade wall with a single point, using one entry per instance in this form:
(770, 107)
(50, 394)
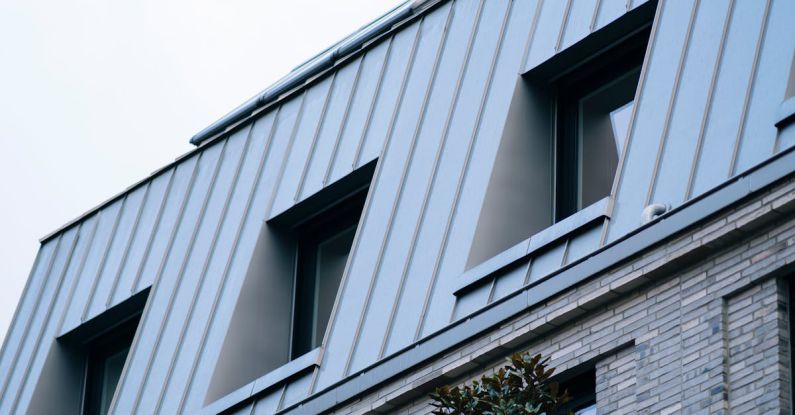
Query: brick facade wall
(699, 324)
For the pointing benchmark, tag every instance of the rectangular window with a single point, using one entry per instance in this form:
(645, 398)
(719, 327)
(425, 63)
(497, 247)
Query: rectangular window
(582, 389)
(324, 243)
(104, 363)
(594, 105)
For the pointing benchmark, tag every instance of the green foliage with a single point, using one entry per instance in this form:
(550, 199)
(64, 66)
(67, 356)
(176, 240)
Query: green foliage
(520, 388)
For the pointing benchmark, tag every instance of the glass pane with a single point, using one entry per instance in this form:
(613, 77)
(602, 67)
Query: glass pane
(332, 254)
(591, 410)
(111, 372)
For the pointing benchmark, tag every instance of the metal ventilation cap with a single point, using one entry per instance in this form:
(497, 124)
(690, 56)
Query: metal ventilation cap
(653, 211)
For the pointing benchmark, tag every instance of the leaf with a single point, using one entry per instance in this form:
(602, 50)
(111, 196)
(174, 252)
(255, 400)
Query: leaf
(521, 387)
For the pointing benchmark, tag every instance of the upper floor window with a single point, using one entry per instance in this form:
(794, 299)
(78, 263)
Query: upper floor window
(594, 106)
(104, 363)
(322, 252)
(563, 136)
(294, 276)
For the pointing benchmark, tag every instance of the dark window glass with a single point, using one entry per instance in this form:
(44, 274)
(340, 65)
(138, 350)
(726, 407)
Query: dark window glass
(582, 389)
(323, 247)
(104, 363)
(593, 111)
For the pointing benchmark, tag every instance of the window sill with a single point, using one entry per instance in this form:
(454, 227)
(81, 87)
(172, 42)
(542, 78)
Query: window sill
(486, 270)
(275, 377)
(786, 113)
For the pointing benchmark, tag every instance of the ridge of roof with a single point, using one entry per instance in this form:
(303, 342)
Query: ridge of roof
(307, 71)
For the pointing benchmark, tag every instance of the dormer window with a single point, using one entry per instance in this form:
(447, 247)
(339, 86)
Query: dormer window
(290, 288)
(594, 106)
(104, 363)
(324, 243)
(564, 133)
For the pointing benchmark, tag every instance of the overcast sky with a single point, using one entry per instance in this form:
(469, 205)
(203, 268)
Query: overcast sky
(96, 94)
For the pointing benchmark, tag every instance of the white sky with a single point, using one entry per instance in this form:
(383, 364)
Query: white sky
(96, 94)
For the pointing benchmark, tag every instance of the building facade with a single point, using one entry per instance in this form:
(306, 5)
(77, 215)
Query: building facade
(610, 183)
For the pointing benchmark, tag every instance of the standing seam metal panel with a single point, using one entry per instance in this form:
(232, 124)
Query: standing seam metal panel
(466, 122)
(352, 297)
(183, 294)
(173, 204)
(12, 382)
(431, 40)
(654, 87)
(107, 278)
(33, 368)
(681, 130)
(467, 16)
(19, 325)
(210, 279)
(758, 139)
(232, 266)
(168, 277)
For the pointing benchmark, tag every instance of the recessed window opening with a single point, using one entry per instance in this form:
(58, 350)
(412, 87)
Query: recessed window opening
(563, 135)
(593, 110)
(324, 243)
(83, 367)
(104, 363)
(292, 281)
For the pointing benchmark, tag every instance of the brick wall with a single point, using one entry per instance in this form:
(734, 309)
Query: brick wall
(699, 324)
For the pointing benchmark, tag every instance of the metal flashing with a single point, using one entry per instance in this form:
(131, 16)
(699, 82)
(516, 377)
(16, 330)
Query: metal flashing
(786, 113)
(532, 245)
(271, 379)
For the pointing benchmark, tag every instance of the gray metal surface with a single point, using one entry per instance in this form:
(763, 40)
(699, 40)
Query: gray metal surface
(429, 101)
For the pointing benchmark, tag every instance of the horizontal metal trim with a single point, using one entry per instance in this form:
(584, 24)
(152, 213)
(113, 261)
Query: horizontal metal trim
(786, 113)
(273, 378)
(522, 251)
(689, 214)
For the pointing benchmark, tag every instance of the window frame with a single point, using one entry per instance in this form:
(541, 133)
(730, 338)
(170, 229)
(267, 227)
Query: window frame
(98, 351)
(335, 221)
(601, 71)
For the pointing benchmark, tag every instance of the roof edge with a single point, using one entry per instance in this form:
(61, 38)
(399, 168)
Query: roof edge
(314, 66)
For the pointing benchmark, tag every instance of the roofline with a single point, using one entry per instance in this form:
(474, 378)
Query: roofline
(284, 89)
(305, 72)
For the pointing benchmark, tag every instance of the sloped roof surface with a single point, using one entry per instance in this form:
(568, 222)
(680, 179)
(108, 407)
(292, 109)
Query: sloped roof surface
(427, 100)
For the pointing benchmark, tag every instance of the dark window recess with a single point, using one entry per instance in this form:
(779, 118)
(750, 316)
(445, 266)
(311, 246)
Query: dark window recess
(582, 389)
(593, 110)
(104, 364)
(324, 243)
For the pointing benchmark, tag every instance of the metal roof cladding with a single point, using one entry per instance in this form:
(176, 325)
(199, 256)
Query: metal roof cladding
(314, 66)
